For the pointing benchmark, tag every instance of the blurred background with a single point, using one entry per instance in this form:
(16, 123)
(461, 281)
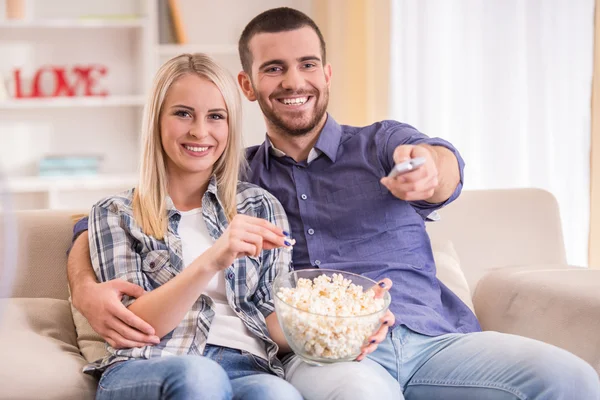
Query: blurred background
(509, 82)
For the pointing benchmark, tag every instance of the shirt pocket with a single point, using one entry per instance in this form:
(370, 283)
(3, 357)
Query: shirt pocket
(357, 211)
(156, 265)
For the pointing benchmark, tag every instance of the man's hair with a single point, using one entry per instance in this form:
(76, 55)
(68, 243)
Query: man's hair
(275, 20)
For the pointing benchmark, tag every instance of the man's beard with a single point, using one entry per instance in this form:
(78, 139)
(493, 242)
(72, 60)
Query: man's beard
(286, 128)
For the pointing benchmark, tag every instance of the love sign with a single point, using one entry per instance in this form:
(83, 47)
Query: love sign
(63, 82)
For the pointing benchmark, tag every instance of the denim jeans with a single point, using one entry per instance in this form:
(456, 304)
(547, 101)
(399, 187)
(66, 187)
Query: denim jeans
(222, 373)
(484, 365)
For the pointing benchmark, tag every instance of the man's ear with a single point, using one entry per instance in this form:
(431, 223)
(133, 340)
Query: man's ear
(246, 86)
(327, 70)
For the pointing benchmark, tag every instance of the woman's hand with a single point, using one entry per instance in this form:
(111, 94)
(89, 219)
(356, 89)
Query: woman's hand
(386, 321)
(246, 236)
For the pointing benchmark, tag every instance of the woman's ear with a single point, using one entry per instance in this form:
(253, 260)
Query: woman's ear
(246, 86)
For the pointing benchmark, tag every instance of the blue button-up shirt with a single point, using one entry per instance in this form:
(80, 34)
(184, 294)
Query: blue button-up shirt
(343, 218)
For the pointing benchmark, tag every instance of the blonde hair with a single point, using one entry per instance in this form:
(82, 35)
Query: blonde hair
(149, 200)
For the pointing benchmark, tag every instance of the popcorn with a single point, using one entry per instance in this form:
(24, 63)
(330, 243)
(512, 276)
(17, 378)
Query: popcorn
(320, 321)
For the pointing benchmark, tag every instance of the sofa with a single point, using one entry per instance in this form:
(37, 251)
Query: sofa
(501, 251)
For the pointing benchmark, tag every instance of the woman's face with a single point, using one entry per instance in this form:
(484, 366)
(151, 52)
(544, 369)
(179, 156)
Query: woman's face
(193, 126)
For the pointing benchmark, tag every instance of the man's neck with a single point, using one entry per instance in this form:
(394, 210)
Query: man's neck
(296, 147)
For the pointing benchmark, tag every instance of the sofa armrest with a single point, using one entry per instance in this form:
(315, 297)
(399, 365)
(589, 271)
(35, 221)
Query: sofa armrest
(559, 305)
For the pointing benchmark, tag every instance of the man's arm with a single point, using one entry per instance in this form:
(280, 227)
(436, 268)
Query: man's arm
(448, 174)
(434, 182)
(100, 303)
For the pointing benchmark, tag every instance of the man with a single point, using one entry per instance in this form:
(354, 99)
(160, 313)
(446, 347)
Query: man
(346, 215)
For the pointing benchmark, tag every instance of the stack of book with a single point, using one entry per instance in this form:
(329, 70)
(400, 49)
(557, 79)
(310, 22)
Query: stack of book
(69, 165)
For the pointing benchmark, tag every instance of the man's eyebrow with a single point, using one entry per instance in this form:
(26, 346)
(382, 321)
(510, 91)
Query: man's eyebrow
(309, 58)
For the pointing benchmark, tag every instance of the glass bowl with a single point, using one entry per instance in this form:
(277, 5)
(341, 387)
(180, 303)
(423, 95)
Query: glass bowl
(318, 338)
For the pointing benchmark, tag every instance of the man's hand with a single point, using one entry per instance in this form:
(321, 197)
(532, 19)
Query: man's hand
(101, 304)
(419, 184)
(386, 321)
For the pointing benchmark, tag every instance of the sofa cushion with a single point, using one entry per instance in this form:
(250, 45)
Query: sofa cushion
(91, 344)
(38, 338)
(449, 271)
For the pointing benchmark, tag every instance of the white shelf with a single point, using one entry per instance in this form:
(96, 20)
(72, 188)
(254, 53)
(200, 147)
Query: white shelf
(33, 184)
(72, 102)
(171, 50)
(75, 23)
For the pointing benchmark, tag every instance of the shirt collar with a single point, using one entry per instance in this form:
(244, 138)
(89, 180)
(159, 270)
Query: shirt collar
(327, 143)
(212, 188)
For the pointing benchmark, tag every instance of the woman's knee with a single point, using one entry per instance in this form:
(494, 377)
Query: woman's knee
(196, 377)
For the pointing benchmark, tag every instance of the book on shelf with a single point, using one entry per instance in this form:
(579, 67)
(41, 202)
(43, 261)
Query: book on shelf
(166, 34)
(177, 21)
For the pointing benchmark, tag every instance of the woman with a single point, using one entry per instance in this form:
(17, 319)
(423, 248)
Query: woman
(205, 247)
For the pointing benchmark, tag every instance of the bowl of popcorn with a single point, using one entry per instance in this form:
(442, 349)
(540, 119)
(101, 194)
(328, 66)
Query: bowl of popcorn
(327, 316)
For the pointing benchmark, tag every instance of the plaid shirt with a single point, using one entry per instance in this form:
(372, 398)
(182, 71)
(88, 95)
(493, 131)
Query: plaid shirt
(120, 250)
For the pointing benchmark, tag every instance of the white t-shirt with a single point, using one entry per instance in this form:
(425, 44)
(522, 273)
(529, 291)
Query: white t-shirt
(227, 329)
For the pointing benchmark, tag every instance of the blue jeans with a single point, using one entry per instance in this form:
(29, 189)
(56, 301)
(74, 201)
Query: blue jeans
(222, 373)
(484, 365)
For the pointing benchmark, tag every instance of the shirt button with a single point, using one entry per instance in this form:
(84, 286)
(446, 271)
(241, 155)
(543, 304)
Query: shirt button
(230, 275)
(318, 262)
(311, 231)
(237, 309)
(304, 197)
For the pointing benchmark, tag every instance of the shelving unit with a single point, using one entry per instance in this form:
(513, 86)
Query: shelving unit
(73, 102)
(66, 183)
(75, 23)
(126, 41)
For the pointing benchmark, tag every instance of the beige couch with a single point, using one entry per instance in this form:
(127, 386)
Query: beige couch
(509, 244)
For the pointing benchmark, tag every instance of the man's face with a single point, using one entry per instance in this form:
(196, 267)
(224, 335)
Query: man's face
(289, 80)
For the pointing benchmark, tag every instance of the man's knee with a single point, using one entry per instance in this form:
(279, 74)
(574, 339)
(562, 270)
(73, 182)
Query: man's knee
(345, 381)
(196, 377)
(268, 387)
(360, 381)
(574, 379)
(562, 375)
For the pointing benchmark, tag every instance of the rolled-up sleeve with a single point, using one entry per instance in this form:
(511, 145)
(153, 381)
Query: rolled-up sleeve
(402, 134)
(277, 262)
(112, 248)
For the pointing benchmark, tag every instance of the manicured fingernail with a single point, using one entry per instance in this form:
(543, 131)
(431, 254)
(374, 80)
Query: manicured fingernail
(285, 233)
(385, 322)
(382, 284)
(372, 341)
(287, 243)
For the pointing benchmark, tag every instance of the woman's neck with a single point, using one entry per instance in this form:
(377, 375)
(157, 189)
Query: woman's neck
(187, 190)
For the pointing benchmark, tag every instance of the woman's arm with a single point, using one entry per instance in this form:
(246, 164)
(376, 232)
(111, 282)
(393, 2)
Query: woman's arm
(163, 308)
(278, 261)
(113, 256)
(277, 334)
